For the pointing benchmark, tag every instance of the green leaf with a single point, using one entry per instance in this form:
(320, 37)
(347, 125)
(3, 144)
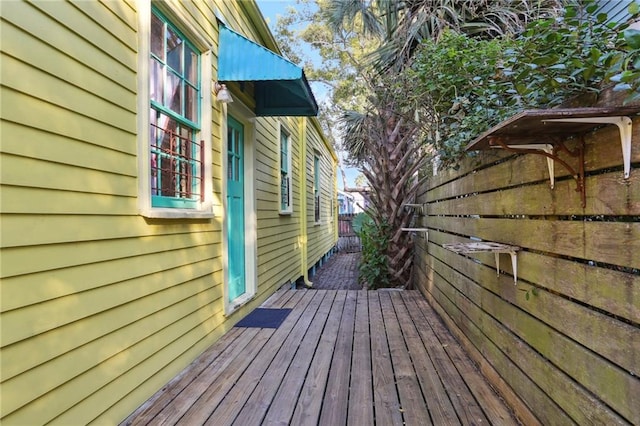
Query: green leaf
(601, 17)
(634, 8)
(633, 97)
(621, 86)
(616, 78)
(632, 37)
(526, 295)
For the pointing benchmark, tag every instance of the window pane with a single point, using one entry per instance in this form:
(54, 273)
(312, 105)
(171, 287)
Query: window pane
(153, 139)
(174, 50)
(191, 103)
(157, 37)
(156, 80)
(191, 65)
(174, 93)
(167, 156)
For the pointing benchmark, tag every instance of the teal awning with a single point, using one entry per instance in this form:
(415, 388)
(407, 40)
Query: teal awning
(281, 88)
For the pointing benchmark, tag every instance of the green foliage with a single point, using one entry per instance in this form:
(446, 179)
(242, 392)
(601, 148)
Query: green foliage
(529, 292)
(374, 265)
(625, 66)
(469, 85)
(556, 59)
(461, 80)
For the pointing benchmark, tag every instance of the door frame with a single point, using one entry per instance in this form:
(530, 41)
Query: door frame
(244, 116)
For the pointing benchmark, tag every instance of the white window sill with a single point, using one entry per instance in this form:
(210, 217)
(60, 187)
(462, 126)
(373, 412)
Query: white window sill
(161, 213)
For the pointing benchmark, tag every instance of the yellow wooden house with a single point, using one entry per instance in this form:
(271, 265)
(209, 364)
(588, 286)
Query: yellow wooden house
(162, 175)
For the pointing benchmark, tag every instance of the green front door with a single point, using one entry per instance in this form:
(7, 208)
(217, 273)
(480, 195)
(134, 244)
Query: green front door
(235, 209)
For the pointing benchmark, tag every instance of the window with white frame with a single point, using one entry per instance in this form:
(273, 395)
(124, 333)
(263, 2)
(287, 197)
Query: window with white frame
(286, 204)
(175, 137)
(176, 154)
(316, 187)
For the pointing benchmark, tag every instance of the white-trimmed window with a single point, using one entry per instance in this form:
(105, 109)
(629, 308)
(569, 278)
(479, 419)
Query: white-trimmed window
(286, 197)
(316, 187)
(174, 116)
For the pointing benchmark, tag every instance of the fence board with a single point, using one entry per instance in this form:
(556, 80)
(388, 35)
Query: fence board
(573, 398)
(605, 289)
(607, 194)
(591, 241)
(506, 304)
(454, 313)
(571, 353)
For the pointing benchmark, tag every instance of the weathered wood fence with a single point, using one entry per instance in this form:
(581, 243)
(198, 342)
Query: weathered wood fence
(570, 352)
(348, 241)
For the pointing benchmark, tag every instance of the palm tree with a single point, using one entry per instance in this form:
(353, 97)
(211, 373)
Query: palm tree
(401, 25)
(385, 138)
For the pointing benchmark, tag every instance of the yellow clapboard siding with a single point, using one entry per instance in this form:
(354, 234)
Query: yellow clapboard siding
(23, 171)
(19, 199)
(122, 10)
(27, 79)
(84, 28)
(42, 229)
(115, 330)
(53, 257)
(279, 234)
(33, 21)
(63, 282)
(34, 52)
(180, 335)
(116, 304)
(18, 140)
(34, 319)
(31, 112)
(108, 20)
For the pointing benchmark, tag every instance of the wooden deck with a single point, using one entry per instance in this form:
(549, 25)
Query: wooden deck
(340, 357)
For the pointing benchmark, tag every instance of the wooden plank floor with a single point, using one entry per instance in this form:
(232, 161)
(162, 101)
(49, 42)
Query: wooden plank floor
(341, 357)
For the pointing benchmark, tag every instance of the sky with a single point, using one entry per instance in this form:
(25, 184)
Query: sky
(270, 10)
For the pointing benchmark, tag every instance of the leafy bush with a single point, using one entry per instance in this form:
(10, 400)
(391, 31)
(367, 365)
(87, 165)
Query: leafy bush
(468, 85)
(625, 69)
(558, 58)
(464, 87)
(374, 265)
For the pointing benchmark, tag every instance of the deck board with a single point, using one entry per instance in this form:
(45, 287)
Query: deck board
(341, 357)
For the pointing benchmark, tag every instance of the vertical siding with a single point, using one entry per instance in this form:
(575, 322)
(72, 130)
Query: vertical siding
(571, 352)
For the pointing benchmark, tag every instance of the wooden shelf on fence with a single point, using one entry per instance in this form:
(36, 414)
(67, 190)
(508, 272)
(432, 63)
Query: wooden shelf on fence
(488, 246)
(543, 132)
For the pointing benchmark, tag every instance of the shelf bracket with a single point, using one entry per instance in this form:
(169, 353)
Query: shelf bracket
(423, 231)
(419, 207)
(624, 124)
(543, 149)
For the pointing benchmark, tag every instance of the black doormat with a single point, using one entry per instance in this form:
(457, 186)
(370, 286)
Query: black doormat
(264, 318)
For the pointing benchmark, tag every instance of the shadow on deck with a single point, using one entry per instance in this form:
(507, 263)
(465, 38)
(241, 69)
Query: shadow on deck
(340, 357)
